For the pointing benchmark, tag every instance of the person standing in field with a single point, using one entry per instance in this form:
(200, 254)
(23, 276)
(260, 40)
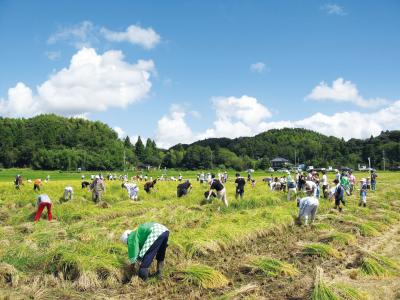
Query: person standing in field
(183, 188)
(18, 181)
(97, 188)
(68, 193)
(240, 183)
(149, 240)
(344, 181)
(363, 193)
(325, 186)
(216, 185)
(308, 206)
(352, 181)
(339, 195)
(373, 180)
(37, 184)
(291, 186)
(133, 190)
(42, 202)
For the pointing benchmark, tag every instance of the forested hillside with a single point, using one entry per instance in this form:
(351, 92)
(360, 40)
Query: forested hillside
(308, 147)
(53, 142)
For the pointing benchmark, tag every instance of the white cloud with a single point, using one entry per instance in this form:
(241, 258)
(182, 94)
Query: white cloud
(86, 34)
(53, 55)
(80, 35)
(20, 102)
(136, 35)
(347, 124)
(234, 117)
(257, 67)
(173, 128)
(342, 91)
(121, 133)
(334, 9)
(91, 83)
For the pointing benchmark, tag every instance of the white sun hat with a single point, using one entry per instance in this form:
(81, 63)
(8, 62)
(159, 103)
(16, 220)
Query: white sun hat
(124, 237)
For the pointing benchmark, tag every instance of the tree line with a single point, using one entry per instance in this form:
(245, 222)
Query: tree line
(56, 143)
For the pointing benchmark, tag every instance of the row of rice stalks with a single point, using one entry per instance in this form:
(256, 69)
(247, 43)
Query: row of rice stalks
(332, 291)
(378, 266)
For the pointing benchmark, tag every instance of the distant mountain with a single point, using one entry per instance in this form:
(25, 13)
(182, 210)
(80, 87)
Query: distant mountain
(304, 146)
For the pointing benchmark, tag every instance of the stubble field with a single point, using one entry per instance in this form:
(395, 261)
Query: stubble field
(252, 249)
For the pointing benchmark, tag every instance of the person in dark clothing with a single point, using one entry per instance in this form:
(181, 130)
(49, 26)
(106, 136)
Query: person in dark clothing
(18, 181)
(215, 184)
(240, 183)
(339, 195)
(149, 185)
(248, 177)
(85, 184)
(183, 188)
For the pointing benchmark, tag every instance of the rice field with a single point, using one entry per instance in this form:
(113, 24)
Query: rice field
(214, 251)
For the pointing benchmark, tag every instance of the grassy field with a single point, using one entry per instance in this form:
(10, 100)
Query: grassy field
(250, 249)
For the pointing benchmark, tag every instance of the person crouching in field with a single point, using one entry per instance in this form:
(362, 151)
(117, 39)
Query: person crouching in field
(37, 184)
(149, 240)
(42, 202)
(183, 188)
(97, 188)
(18, 182)
(339, 195)
(363, 193)
(68, 193)
(149, 185)
(216, 185)
(133, 190)
(308, 206)
(240, 183)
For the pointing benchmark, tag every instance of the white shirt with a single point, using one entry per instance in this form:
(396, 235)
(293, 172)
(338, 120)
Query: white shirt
(313, 185)
(324, 179)
(68, 188)
(43, 199)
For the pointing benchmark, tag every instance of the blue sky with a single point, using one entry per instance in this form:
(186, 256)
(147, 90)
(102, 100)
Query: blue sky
(208, 68)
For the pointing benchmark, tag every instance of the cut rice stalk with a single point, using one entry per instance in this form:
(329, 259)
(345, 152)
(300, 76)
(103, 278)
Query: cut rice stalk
(204, 276)
(274, 267)
(322, 250)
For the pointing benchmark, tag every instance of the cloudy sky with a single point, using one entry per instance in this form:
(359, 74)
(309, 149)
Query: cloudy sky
(179, 71)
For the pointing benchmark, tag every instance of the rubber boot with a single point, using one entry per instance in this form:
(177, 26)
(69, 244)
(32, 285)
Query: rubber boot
(144, 273)
(160, 267)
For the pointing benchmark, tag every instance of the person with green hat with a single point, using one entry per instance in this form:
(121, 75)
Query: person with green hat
(149, 240)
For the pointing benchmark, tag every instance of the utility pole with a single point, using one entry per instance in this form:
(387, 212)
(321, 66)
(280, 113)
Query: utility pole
(124, 159)
(295, 157)
(384, 162)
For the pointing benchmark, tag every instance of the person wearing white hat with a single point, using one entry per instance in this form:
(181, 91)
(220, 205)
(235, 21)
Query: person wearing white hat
(97, 188)
(149, 240)
(308, 206)
(363, 193)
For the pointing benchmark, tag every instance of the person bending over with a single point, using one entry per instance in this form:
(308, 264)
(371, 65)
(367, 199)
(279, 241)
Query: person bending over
(183, 188)
(308, 206)
(216, 185)
(149, 240)
(42, 202)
